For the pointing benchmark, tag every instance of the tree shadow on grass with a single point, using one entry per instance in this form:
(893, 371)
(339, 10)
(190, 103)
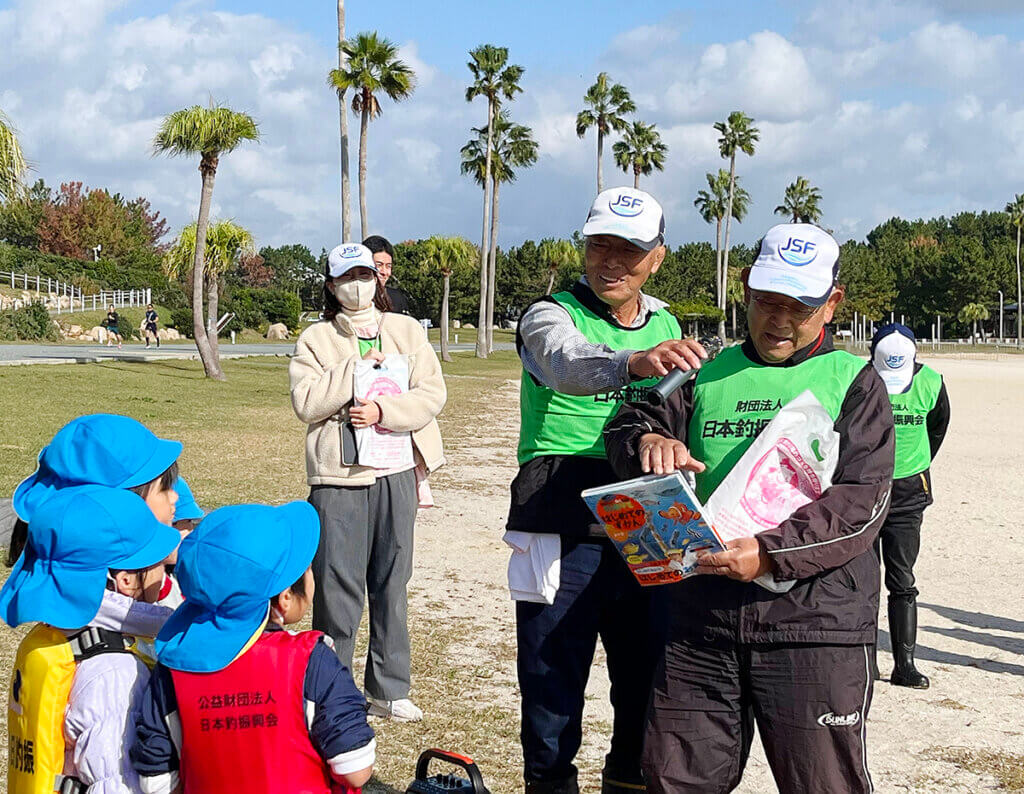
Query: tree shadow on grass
(163, 368)
(978, 620)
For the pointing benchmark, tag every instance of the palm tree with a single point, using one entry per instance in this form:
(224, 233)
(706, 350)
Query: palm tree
(373, 68)
(446, 253)
(346, 193)
(12, 162)
(736, 134)
(513, 147)
(558, 254)
(226, 244)
(208, 132)
(641, 150)
(606, 107)
(1016, 210)
(971, 313)
(494, 79)
(712, 204)
(801, 202)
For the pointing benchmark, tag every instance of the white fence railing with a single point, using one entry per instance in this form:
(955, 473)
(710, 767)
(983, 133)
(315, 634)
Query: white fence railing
(59, 296)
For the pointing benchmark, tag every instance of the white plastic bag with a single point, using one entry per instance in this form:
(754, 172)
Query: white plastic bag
(377, 446)
(790, 464)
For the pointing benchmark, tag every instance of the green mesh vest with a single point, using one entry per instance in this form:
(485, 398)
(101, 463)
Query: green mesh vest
(734, 398)
(552, 423)
(910, 413)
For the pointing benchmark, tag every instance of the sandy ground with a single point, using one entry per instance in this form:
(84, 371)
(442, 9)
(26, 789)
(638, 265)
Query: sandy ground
(971, 576)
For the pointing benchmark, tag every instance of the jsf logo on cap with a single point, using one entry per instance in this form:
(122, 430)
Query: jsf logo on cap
(894, 361)
(350, 251)
(798, 252)
(627, 206)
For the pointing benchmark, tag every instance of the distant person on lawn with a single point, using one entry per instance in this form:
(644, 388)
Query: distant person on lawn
(383, 258)
(149, 325)
(367, 514)
(113, 324)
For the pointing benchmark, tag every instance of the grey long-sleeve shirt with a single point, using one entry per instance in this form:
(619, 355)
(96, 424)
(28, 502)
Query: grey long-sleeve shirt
(557, 354)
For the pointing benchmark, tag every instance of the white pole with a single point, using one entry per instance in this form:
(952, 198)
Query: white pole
(1000, 315)
(933, 336)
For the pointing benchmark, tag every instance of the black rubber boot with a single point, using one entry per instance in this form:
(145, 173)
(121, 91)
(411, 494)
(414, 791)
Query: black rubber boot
(903, 631)
(565, 786)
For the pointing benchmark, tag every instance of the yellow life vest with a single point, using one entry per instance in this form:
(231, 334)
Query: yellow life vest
(44, 670)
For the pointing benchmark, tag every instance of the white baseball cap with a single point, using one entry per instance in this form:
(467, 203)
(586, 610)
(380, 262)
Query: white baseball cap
(346, 256)
(628, 213)
(893, 355)
(800, 260)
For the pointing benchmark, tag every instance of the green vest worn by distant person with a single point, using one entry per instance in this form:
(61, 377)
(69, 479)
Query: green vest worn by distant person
(734, 398)
(910, 413)
(552, 423)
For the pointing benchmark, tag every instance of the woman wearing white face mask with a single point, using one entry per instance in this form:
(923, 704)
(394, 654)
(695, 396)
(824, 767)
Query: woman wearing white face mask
(366, 514)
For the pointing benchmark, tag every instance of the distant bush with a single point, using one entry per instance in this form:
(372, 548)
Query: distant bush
(181, 320)
(257, 308)
(29, 322)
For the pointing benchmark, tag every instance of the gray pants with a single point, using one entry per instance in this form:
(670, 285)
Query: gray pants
(366, 542)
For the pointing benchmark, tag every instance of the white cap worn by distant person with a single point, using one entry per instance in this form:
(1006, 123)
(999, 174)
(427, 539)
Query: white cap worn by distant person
(799, 260)
(346, 256)
(628, 213)
(894, 355)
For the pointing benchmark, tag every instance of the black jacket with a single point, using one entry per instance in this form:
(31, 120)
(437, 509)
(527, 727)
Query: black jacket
(914, 493)
(399, 300)
(825, 545)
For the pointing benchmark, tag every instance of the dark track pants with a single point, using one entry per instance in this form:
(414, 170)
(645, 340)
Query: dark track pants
(598, 596)
(900, 540)
(809, 703)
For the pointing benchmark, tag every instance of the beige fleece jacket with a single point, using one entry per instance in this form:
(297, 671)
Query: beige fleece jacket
(321, 374)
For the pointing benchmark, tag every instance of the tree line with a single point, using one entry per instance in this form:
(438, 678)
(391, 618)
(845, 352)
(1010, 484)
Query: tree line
(951, 267)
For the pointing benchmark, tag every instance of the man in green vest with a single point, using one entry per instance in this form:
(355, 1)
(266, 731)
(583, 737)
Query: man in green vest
(584, 351)
(920, 408)
(793, 664)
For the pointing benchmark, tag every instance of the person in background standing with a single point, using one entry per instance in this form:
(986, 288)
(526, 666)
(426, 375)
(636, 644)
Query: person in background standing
(920, 408)
(383, 258)
(367, 513)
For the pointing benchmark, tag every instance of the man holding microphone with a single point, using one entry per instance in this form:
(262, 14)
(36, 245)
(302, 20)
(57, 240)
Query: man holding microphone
(584, 351)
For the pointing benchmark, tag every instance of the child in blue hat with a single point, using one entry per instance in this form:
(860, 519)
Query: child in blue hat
(118, 452)
(76, 685)
(237, 703)
(187, 514)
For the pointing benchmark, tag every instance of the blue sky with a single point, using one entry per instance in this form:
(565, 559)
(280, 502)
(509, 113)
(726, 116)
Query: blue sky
(908, 107)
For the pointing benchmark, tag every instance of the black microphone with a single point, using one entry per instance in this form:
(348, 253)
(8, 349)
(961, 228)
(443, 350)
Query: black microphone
(677, 377)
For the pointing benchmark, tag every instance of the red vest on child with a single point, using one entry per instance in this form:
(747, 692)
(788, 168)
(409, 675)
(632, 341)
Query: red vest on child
(244, 727)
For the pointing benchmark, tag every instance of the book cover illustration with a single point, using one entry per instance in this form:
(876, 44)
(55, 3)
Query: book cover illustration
(657, 525)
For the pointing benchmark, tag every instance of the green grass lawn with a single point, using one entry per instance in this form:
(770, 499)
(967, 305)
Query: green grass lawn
(242, 441)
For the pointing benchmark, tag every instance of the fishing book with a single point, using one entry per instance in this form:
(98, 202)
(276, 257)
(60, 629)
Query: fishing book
(657, 524)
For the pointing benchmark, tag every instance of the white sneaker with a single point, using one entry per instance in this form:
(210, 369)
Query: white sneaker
(403, 710)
